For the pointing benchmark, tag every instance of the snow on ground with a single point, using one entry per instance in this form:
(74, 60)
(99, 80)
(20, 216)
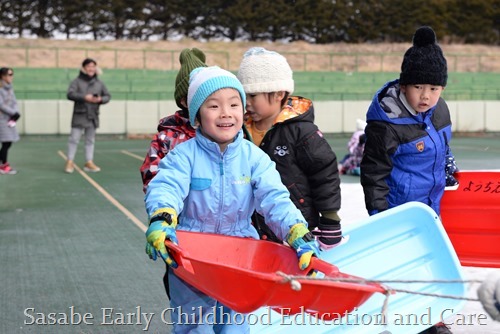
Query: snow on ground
(353, 209)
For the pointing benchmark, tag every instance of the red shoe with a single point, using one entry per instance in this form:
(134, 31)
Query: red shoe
(6, 169)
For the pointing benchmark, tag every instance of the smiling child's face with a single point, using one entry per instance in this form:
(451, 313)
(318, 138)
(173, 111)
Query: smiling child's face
(221, 116)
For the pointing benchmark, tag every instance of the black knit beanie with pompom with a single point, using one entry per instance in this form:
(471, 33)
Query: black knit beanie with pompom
(424, 62)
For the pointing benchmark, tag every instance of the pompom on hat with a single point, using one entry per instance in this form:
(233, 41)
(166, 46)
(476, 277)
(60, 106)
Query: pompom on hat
(424, 62)
(204, 81)
(360, 124)
(263, 71)
(189, 59)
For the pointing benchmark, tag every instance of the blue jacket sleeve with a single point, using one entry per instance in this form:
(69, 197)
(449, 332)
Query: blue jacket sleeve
(170, 186)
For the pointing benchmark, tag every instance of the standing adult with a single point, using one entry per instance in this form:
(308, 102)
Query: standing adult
(88, 92)
(9, 114)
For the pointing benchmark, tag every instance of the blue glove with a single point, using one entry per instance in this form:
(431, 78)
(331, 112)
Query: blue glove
(304, 244)
(162, 227)
(489, 295)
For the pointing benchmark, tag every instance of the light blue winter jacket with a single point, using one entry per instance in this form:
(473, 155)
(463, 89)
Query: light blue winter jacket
(216, 192)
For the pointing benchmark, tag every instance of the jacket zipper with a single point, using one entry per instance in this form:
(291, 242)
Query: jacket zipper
(221, 205)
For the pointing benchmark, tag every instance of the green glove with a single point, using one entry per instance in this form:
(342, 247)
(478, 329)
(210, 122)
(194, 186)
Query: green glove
(304, 244)
(162, 227)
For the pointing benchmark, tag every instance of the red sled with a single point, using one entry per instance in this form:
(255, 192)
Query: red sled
(241, 273)
(471, 218)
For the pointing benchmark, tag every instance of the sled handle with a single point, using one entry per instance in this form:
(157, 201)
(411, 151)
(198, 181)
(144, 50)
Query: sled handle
(326, 268)
(177, 253)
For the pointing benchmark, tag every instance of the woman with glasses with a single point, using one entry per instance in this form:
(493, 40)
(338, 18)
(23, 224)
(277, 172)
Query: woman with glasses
(9, 114)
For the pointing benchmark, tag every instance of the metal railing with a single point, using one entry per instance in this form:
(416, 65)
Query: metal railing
(449, 95)
(168, 59)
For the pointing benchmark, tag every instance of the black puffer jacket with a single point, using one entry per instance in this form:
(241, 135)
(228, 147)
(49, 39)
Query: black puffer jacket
(304, 159)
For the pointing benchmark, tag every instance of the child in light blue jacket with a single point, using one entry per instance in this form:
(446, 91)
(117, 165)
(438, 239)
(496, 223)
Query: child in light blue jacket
(212, 184)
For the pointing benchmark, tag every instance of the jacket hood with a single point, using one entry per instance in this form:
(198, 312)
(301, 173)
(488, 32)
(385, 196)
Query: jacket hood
(5, 85)
(211, 146)
(85, 76)
(386, 106)
(176, 123)
(297, 109)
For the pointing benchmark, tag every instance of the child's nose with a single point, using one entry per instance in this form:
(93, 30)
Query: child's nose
(225, 112)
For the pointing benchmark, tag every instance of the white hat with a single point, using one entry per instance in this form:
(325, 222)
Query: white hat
(360, 124)
(263, 71)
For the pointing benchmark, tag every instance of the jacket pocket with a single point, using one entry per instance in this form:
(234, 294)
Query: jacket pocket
(403, 189)
(80, 108)
(200, 183)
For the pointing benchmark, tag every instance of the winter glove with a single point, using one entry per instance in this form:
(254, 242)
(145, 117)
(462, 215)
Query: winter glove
(162, 227)
(450, 168)
(15, 117)
(489, 295)
(328, 232)
(304, 244)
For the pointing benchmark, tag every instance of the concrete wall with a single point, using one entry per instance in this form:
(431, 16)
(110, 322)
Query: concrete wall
(141, 117)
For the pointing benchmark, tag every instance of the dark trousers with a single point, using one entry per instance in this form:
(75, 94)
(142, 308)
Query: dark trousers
(3, 151)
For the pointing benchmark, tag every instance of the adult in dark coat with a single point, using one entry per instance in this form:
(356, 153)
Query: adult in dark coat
(88, 93)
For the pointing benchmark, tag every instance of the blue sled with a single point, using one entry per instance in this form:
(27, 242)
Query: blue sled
(405, 243)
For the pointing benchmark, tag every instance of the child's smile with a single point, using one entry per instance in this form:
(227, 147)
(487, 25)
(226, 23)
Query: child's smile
(221, 116)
